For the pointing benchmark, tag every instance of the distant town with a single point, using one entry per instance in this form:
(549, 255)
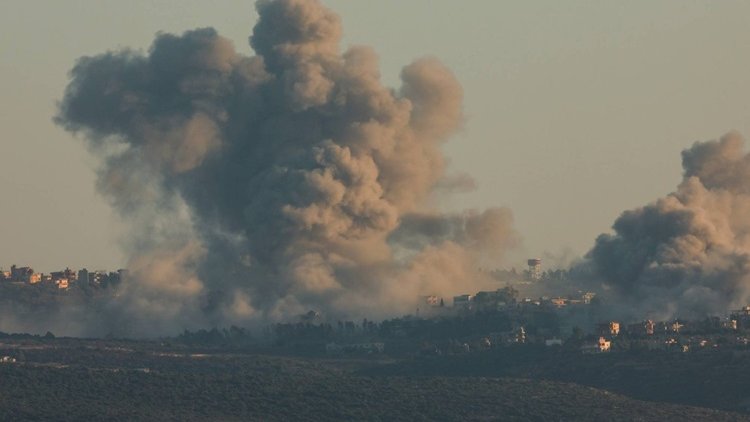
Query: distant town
(463, 323)
(491, 320)
(64, 279)
(502, 332)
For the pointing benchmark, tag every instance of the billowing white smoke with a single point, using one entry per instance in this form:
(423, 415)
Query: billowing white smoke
(261, 187)
(687, 254)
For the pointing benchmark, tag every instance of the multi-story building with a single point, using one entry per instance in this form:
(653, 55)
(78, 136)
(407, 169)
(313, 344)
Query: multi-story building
(462, 301)
(24, 274)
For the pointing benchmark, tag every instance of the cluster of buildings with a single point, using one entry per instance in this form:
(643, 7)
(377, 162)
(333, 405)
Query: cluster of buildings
(678, 335)
(674, 335)
(62, 280)
(549, 317)
(501, 300)
(713, 333)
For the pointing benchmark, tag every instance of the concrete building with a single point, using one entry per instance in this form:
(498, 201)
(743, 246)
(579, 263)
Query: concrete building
(553, 342)
(67, 273)
(122, 274)
(601, 346)
(521, 335)
(650, 327)
(83, 278)
(741, 317)
(24, 274)
(462, 301)
(494, 300)
(611, 328)
(535, 268)
(558, 302)
(98, 278)
(588, 297)
(430, 300)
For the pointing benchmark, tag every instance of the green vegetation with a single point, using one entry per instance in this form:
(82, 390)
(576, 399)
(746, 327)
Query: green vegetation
(67, 379)
(714, 379)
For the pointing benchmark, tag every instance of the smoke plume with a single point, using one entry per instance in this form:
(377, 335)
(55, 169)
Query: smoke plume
(258, 188)
(687, 254)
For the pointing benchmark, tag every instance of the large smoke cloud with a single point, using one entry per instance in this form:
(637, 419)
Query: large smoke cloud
(260, 187)
(687, 254)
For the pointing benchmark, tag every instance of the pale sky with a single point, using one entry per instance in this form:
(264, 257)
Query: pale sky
(576, 110)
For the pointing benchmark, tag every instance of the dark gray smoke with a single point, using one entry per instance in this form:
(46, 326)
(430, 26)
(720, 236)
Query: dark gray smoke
(687, 254)
(261, 187)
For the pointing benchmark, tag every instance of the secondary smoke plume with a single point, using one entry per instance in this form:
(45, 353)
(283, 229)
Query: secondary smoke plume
(261, 187)
(687, 254)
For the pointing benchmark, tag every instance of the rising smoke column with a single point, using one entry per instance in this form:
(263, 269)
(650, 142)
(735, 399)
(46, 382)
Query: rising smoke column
(687, 254)
(261, 187)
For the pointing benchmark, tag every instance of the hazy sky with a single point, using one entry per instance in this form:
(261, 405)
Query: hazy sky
(576, 110)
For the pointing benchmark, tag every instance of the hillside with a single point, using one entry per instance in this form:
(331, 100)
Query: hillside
(718, 380)
(147, 385)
